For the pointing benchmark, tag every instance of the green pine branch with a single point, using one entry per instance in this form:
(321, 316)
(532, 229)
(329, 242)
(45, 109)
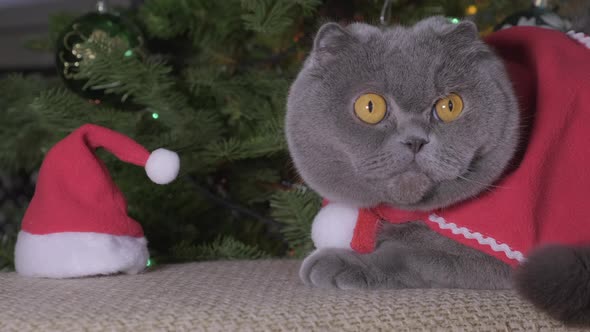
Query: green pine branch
(7, 244)
(121, 71)
(295, 210)
(11, 224)
(221, 248)
(18, 89)
(232, 149)
(275, 16)
(209, 24)
(268, 16)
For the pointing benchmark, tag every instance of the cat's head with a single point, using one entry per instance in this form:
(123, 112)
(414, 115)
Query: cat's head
(419, 117)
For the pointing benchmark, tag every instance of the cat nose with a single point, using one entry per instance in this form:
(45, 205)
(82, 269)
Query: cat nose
(415, 144)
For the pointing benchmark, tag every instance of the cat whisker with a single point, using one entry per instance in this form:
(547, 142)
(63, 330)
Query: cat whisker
(442, 164)
(376, 163)
(486, 185)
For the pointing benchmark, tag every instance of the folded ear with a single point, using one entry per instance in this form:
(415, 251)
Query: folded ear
(464, 31)
(462, 38)
(442, 26)
(329, 35)
(330, 39)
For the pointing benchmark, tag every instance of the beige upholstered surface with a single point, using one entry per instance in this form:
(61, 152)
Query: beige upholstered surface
(248, 296)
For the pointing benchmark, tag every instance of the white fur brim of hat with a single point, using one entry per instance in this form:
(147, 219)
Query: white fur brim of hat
(76, 254)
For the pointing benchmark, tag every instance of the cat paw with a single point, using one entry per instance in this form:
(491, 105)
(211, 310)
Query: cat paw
(334, 268)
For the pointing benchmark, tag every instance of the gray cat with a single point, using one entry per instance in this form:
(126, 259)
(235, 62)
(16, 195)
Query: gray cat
(409, 159)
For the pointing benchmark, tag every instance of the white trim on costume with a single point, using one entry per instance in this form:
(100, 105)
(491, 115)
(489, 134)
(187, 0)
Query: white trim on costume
(484, 240)
(580, 37)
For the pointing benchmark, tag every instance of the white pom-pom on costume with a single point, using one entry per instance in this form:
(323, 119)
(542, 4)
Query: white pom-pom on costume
(162, 166)
(333, 226)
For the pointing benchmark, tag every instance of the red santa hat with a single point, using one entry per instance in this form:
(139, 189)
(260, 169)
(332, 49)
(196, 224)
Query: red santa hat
(77, 224)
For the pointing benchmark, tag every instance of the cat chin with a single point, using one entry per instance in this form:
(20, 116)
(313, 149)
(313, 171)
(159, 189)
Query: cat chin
(408, 188)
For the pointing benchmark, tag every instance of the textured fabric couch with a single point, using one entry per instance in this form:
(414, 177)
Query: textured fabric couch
(249, 296)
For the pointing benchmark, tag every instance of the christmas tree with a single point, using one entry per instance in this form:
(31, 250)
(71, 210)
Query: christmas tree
(207, 79)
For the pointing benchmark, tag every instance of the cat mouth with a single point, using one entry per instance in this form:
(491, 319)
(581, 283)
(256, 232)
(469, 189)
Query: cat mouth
(409, 187)
(416, 187)
(430, 196)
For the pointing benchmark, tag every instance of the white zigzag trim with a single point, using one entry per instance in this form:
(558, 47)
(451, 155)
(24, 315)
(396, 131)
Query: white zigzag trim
(443, 224)
(580, 37)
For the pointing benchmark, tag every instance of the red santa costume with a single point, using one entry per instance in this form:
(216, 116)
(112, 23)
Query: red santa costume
(545, 199)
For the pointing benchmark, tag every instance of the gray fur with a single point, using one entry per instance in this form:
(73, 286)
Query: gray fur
(349, 161)
(407, 256)
(346, 160)
(555, 279)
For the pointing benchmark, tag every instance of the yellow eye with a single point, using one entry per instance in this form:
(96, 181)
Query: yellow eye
(370, 108)
(449, 108)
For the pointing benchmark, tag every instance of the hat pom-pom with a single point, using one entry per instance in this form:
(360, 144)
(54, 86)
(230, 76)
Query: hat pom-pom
(162, 166)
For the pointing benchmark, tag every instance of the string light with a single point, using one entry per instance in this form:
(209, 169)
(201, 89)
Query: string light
(155, 115)
(471, 10)
(454, 20)
(128, 53)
